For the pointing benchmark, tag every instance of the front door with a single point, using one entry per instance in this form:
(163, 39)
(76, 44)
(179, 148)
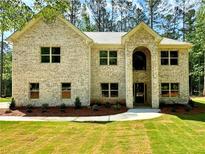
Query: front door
(139, 93)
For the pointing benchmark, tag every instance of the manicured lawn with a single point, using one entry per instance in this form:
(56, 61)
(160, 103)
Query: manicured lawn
(167, 134)
(199, 99)
(7, 99)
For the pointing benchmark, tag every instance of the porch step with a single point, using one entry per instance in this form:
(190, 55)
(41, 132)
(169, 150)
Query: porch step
(144, 110)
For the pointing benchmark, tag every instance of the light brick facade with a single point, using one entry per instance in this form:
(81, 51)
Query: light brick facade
(80, 66)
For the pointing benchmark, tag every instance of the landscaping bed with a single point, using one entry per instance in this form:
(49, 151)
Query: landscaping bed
(183, 109)
(69, 111)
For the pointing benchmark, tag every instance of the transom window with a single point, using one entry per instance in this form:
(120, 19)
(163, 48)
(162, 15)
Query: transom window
(109, 89)
(50, 54)
(169, 57)
(170, 89)
(66, 90)
(34, 90)
(108, 57)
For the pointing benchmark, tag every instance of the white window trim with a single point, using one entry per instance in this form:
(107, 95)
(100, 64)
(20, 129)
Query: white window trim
(169, 57)
(170, 89)
(109, 90)
(108, 57)
(50, 53)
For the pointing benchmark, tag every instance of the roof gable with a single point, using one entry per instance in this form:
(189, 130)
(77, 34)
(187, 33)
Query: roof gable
(35, 20)
(142, 25)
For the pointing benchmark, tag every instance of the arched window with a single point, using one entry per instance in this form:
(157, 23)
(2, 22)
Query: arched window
(139, 61)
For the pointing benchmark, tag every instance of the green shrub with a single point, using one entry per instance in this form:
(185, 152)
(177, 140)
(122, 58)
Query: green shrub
(29, 108)
(77, 103)
(62, 107)
(107, 105)
(12, 104)
(95, 107)
(117, 106)
(162, 104)
(44, 107)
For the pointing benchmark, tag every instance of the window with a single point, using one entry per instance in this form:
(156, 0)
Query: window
(108, 57)
(169, 57)
(114, 90)
(170, 89)
(103, 58)
(139, 61)
(109, 89)
(34, 90)
(66, 90)
(112, 58)
(50, 54)
(45, 55)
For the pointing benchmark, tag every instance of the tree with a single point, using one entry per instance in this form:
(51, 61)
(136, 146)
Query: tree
(75, 6)
(86, 23)
(13, 15)
(99, 13)
(197, 59)
(153, 13)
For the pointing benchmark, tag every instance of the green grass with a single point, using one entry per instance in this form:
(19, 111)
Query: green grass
(166, 134)
(7, 99)
(199, 99)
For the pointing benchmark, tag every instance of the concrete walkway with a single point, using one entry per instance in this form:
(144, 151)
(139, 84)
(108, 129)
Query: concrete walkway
(4, 105)
(131, 114)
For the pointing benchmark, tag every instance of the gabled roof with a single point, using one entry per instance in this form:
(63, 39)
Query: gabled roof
(142, 25)
(34, 20)
(106, 37)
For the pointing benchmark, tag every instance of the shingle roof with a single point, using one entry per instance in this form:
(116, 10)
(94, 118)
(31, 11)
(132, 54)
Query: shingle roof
(106, 37)
(115, 38)
(168, 41)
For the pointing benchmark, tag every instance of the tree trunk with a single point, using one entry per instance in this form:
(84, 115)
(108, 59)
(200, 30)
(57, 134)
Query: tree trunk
(1, 72)
(151, 17)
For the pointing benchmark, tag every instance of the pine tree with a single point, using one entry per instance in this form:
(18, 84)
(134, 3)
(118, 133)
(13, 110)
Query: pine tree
(152, 8)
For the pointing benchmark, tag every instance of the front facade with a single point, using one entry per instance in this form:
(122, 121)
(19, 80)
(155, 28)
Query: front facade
(55, 63)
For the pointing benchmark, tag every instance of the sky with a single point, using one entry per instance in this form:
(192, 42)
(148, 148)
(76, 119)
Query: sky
(139, 3)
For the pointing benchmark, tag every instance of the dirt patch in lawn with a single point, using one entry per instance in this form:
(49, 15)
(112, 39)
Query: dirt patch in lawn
(55, 111)
(182, 109)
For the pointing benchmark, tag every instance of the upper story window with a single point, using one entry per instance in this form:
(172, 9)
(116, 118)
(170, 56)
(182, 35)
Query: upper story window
(170, 89)
(108, 57)
(50, 54)
(169, 57)
(139, 61)
(34, 90)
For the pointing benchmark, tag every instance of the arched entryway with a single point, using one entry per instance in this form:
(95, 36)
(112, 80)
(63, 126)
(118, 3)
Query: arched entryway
(141, 61)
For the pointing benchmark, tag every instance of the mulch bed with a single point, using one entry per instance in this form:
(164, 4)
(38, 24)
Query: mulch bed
(71, 111)
(181, 109)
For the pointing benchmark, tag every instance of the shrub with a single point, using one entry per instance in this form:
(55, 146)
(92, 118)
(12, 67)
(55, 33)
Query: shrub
(117, 106)
(77, 103)
(188, 107)
(62, 107)
(12, 104)
(107, 105)
(44, 107)
(95, 107)
(29, 108)
(162, 104)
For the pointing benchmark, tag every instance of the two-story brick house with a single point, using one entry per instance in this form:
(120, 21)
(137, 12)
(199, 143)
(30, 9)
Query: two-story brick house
(55, 63)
